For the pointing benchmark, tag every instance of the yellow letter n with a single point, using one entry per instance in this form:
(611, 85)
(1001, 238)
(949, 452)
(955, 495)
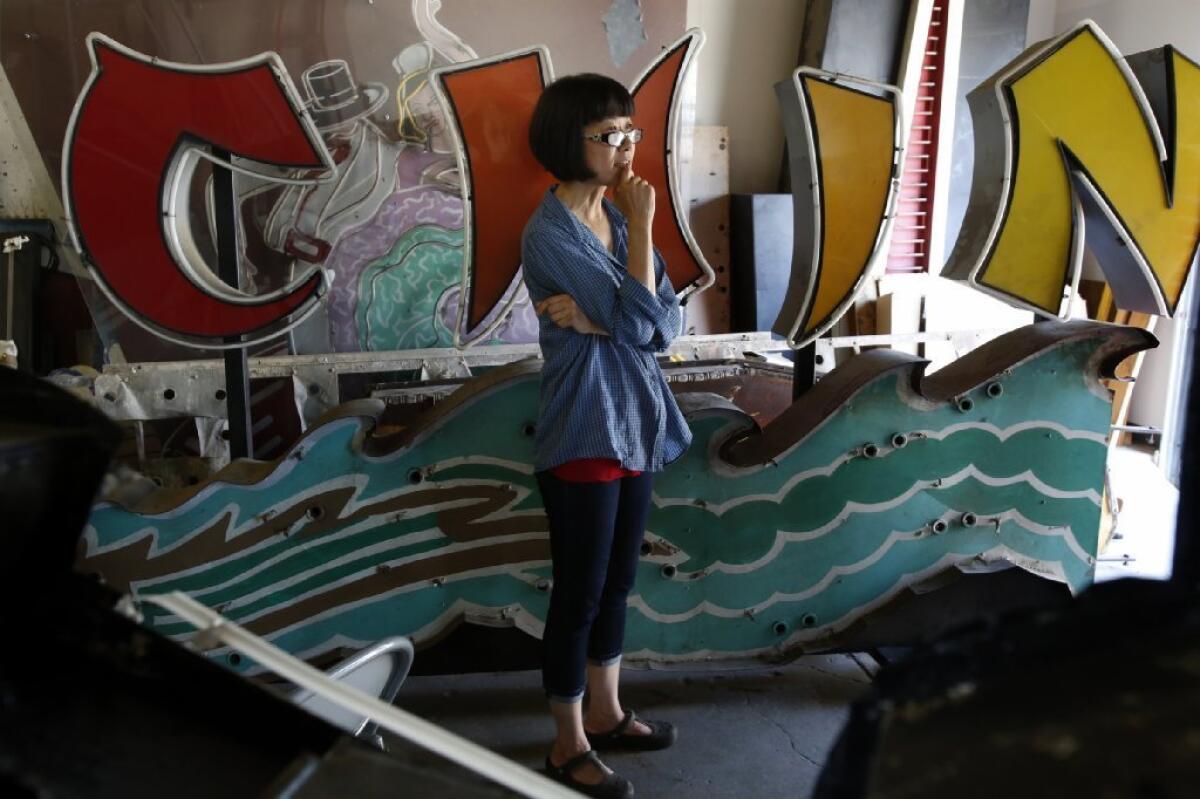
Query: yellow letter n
(1072, 132)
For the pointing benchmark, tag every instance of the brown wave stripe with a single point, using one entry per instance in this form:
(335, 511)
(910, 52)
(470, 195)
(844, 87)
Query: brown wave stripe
(381, 581)
(121, 567)
(461, 524)
(132, 563)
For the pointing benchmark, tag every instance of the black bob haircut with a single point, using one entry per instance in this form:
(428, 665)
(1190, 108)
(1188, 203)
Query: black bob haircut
(567, 106)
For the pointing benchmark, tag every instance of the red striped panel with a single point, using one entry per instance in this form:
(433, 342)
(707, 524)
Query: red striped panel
(909, 251)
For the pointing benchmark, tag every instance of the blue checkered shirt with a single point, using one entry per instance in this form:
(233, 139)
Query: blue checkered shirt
(601, 396)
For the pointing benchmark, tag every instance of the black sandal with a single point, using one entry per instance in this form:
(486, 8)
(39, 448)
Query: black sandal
(613, 786)
(662, 734)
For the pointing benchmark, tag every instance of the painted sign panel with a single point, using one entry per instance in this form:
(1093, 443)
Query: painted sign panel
(656, 94)
(133, 122)
(763, 542)
(389, 229)
(358, 189)
(1068, 135)
(490, 104)
(844, 148)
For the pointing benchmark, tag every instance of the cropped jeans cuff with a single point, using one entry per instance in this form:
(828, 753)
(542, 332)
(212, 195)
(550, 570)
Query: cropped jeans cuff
(608, 661)
(568, 699)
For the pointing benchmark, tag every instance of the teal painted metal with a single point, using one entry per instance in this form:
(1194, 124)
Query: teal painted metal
(339, 545)
(399, 292)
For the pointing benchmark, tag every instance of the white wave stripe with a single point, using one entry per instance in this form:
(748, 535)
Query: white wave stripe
(401, 542)
(708, 608)
(226, 607)
(516, 615)
(357, 502)
(431, 628)
(350, 578)
(1007, 432)
(485, 460)
(365, 525)
(507, 615)
(721, 508)
(529, 623)
(359, 482)
(1066, 533)
(362, 526)
(1049, 569)
(712, 609)
(239, 522)
(784, 537)
(285, 468)
(200, 568)
(1029, 477)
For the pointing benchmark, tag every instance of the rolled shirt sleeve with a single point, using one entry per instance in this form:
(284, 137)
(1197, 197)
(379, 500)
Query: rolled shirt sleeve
(671, 324)
(615, 301)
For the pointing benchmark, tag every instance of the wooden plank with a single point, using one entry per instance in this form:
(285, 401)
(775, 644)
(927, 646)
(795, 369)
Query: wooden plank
(1122, 385)
(708, 178)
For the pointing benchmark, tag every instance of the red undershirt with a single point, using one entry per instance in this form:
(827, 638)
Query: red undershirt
(592, 470)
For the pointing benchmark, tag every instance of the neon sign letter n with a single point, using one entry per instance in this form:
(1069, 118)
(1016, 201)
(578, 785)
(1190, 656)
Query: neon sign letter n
(1067, 134)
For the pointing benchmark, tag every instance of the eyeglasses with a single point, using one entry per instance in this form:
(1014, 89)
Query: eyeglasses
(615, 138)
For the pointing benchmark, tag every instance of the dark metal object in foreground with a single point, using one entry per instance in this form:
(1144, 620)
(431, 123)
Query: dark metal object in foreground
(1096, 699)
(94, 704)
(1186, 566)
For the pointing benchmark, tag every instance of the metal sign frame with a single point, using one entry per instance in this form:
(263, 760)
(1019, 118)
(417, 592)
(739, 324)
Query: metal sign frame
(800, 126)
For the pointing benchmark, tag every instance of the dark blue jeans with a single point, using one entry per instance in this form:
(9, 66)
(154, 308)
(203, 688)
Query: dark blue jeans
(596, 534)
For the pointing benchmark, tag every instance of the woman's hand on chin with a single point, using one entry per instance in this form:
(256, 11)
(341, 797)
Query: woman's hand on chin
(635, 197)
(563, 311)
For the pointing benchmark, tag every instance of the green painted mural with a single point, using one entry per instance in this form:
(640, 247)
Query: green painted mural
(762, 543)
(399, 292)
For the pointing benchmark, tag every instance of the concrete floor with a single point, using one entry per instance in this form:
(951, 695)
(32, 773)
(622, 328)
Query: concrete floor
(761, 732)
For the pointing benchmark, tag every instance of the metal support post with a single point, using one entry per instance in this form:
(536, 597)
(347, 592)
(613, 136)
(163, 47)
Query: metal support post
(237, 370)
(804, 370)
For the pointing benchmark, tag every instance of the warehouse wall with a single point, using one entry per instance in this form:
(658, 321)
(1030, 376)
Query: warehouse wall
(752, 44)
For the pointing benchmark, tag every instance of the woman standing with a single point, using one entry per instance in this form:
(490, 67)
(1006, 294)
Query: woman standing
(606, 419)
